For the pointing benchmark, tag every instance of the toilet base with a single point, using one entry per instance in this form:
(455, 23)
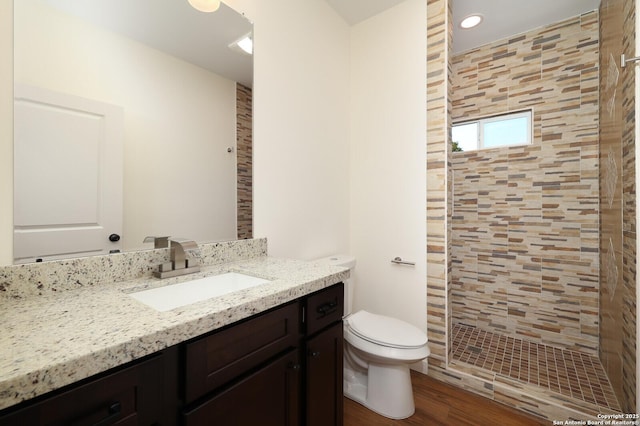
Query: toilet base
(384, 389)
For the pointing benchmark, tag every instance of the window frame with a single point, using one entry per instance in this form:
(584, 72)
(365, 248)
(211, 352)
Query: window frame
(525, 113)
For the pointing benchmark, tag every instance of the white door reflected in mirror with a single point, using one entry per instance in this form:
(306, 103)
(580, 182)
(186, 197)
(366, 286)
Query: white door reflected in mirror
(68, 175)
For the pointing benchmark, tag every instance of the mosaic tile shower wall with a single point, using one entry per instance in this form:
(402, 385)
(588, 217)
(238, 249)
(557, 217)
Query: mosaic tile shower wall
(438, 110)
(617, 200)
(525, 219)
(244, 160)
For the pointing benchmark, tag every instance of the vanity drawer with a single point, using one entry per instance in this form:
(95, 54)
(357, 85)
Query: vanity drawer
(130, 396)
(324, 307)
(214, 360)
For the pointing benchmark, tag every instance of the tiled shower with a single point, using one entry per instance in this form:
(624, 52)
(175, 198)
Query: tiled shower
(525, 219)
(540, 284)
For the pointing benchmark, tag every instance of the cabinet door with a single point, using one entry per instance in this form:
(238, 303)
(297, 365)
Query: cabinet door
(132, 396)
(268, 397)
(324, 378)
(215, 360)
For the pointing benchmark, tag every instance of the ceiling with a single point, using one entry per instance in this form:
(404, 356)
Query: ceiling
(354, 11)
(502, 18)
(176, 28)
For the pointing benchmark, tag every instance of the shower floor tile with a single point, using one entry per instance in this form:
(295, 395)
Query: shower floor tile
(569, 373)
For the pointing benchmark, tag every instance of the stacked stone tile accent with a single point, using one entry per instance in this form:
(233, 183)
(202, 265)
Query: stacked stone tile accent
(244, 159)
(525, 218)
(438, 110)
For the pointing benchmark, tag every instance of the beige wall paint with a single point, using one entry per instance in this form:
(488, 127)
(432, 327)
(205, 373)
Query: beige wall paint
(301, 127)
(388, 174)
(6, 132)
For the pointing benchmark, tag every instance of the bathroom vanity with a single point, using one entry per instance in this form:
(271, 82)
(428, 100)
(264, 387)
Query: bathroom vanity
(269, 355)
(281, 367)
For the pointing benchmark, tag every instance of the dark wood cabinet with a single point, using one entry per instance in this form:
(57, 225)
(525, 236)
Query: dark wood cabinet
(266, 397)
(323, 377)
(323, 308)
(220, 357)
(251, 373)
(324, 348)
(130, 396)
(282, 367)
(246, 374)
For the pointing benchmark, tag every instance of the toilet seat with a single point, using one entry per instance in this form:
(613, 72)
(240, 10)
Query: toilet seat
(386, 331)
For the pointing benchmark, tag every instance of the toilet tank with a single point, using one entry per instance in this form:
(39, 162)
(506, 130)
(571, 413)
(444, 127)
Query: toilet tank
(345, 261)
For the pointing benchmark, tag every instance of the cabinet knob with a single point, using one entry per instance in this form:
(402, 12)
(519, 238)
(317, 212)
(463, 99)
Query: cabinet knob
(113, 412)
(327, 308)
(294, 366)
(314, 354)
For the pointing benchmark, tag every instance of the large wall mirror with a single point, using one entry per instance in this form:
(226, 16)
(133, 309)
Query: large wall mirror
(150, 97)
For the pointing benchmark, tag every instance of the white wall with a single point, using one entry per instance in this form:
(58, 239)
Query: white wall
(301, 126)
(388, 161)
(179, 121)
(302, 160)
(314, 195)
(6, 131)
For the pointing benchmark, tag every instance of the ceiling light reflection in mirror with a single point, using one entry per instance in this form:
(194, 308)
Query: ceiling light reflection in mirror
(206, 6)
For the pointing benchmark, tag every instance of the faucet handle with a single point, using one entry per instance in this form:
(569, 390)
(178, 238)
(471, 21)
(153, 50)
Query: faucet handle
(178, 263)
(158, 242)
(179, 249)
(185, 243)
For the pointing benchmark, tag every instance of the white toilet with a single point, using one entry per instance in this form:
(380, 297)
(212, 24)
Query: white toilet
(377, 353)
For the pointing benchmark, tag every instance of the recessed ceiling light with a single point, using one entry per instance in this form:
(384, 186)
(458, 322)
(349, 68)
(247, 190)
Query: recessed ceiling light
(471, 21)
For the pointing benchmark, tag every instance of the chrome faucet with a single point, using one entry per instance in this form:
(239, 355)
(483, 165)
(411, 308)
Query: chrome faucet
(158, 242)
(179, 263)
(179, 249)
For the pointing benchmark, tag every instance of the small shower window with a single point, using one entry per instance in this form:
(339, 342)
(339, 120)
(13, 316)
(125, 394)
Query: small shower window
(492, 132)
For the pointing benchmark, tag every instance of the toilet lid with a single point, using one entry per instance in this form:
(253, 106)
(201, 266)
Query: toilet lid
(386, 331)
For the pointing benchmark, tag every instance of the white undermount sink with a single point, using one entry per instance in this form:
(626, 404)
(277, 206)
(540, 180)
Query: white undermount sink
(182, 294)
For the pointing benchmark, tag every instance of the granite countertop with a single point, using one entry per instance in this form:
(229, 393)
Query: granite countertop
(56, 339)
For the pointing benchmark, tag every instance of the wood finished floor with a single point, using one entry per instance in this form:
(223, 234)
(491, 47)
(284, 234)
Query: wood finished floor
(438, 403)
